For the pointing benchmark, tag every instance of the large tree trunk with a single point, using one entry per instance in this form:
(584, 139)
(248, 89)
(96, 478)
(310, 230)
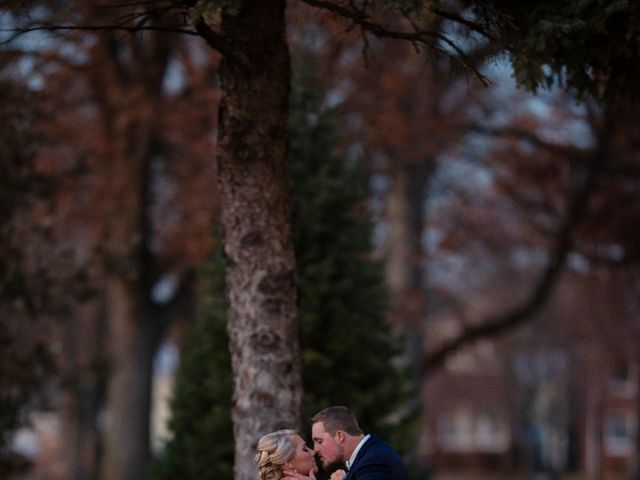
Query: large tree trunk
(261, 274)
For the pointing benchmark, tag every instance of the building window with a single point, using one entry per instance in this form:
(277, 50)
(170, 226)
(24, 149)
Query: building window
(623, 378)
(456, 432)
(464, 431)
(619, 434)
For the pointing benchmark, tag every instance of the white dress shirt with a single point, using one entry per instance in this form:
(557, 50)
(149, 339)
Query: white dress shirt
(353, 456)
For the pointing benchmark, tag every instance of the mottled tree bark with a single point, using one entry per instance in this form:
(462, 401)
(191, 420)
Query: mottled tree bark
(261, 275)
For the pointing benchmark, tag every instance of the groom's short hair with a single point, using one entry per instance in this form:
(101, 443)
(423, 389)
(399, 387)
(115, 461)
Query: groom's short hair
(338, 418)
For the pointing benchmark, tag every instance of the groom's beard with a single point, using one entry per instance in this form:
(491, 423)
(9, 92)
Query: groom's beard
(329, 468)
(337, 464)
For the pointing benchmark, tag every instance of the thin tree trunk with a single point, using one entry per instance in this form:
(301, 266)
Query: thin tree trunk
(261, 275)
(406, 215)
(128, 395)
(405, 256)
(79, 415)
(84, 395)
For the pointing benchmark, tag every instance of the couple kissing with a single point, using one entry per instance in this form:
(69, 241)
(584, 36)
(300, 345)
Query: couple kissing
(343, 449)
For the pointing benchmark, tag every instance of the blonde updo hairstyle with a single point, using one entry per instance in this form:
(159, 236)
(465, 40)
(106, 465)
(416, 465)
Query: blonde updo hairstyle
(274, 449)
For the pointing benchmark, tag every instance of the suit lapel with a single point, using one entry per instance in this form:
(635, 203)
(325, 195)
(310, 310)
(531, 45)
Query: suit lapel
(361, 452)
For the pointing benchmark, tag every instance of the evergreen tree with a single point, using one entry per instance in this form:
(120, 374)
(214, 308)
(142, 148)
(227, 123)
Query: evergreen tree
(347, 349)
(201, 446)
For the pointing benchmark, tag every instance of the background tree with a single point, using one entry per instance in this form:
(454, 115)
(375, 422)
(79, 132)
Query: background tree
(122, 199)
(526, 168)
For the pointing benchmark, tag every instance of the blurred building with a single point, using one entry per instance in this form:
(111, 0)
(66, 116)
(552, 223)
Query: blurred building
(559, 396)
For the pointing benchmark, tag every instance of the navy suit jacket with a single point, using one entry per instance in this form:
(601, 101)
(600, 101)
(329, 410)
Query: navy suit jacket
(376, 460)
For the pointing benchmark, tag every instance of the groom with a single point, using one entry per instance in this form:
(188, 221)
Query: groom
(339, 443)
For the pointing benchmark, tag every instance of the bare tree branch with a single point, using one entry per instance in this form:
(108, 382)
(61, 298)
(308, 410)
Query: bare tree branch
(133, 23)
(425, 37)
(474, 26)
(571, 153)
(216, 40)
(17, 32)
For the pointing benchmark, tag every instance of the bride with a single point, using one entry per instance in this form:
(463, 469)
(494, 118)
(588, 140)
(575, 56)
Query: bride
(282, 452)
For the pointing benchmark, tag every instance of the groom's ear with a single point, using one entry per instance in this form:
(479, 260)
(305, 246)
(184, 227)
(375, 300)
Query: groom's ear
(340, 436)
